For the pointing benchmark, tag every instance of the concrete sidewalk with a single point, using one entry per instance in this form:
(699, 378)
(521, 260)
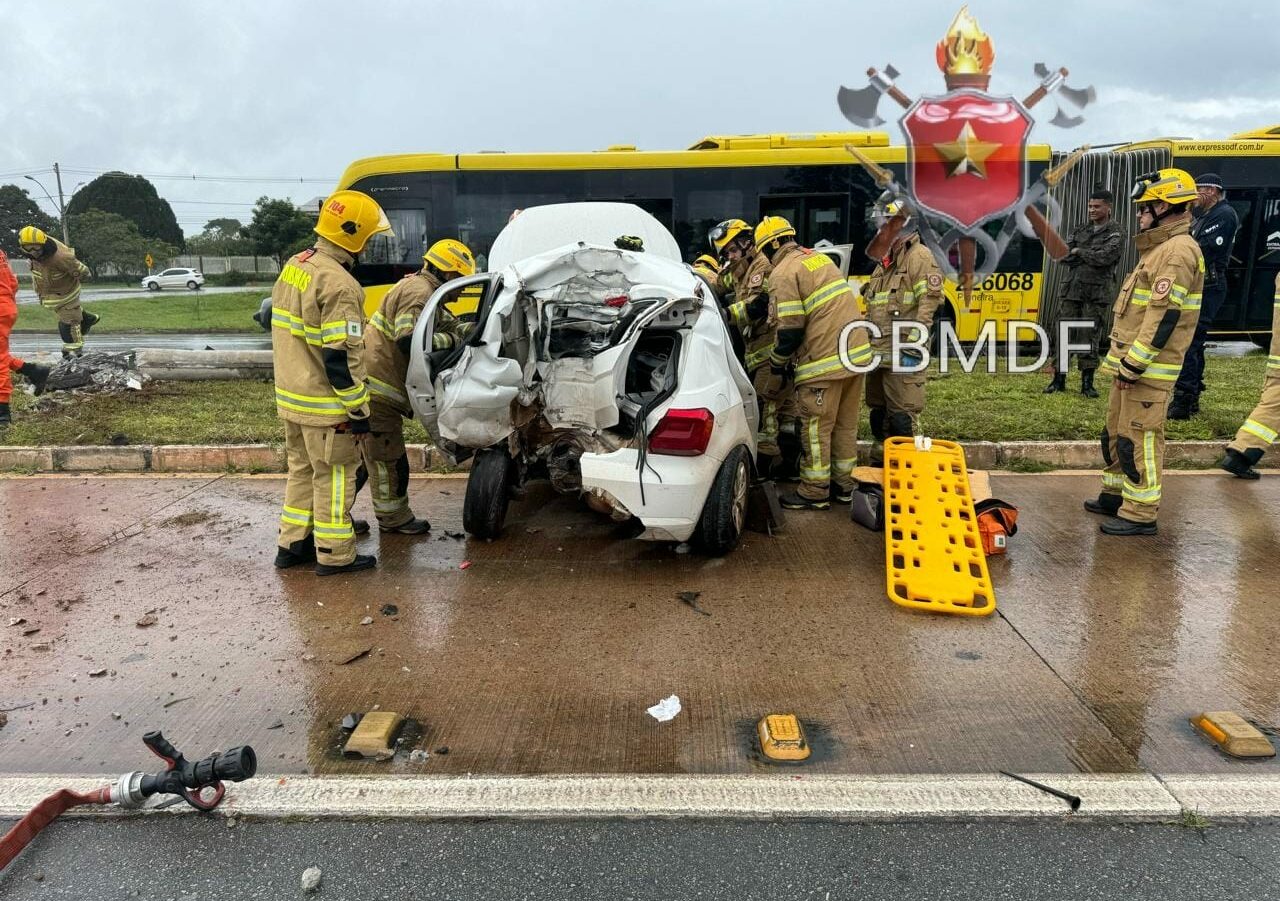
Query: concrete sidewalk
(541, 656)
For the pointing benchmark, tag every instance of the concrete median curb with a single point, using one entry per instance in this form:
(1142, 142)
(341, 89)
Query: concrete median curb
(1136, 797)
(257, 458)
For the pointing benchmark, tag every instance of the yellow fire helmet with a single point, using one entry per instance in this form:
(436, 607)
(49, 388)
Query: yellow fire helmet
(449, 255)
(349, 219)
(708, 262)
(726, 231)
(771, 228)
(32, 236)
(1173, 186)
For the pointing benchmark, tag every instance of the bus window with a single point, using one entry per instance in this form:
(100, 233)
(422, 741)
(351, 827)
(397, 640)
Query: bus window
(815, 216)
(1266, 263)
(1234, 313)
(405, 246)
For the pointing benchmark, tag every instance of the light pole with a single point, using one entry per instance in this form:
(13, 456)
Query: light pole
(62, 210)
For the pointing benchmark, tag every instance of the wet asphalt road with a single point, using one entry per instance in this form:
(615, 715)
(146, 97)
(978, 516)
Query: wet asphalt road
(30, 344)
(202, 860)
(94, 295)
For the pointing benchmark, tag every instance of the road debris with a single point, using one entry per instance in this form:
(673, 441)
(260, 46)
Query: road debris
(311, 878)
(353, 656)
(666, 709)
(389, 610)
(417, 755)
(168, 704)
(17, 620)
(465, 564)
(30, 631)
(147, 619)
(351, 720)
(1073, 800)
(366, 621)
(691, 598)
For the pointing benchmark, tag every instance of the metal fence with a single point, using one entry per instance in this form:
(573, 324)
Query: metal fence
(222, 265)
(1108, 169)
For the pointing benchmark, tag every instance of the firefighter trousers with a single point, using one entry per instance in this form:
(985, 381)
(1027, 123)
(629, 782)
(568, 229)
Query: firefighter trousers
(1133, 449)
(828, 434)
(899, 394)
(70, 327)
(773, 413)
(1262, 427)
(320, 491)
(387, 462)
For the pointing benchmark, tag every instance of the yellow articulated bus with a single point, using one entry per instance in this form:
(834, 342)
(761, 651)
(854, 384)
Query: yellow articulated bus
(1249, 164)
(810, 179)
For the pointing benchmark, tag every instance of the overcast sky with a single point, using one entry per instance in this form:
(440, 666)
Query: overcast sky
(281, 90)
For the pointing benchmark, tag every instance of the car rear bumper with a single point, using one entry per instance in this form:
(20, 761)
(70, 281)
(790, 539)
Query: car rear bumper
(675, 488)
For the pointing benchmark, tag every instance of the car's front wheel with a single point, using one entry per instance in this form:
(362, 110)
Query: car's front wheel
(153, 286)
(193, 285)
(484, 508)
(725, 512)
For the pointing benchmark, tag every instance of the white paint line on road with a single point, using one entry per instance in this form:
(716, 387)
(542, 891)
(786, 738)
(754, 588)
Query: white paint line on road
(1130, 797)
(1252, 795)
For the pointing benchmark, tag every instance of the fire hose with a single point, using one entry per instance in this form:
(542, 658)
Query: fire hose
(184, 778)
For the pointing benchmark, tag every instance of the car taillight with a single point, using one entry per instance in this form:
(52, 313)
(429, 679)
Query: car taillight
(683, 433)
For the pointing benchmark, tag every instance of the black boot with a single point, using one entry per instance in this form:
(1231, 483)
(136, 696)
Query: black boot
(301, 551)
(37, 375)
(362, 561)
(1241, 465)
(1059, 383)
(360, 526)
(1180, 406)
(1086, 383)
(5, 417)
(412, 527)
(1106, 504)
(87, 321)
(1127, 527)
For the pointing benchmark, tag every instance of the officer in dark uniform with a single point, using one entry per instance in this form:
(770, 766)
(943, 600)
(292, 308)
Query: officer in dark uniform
(1214, 229)
(1087, 291)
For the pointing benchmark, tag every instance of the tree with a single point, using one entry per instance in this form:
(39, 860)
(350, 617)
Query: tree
(221, 238)
(17, 209)
(109, 239)
(132, 197)
(279, 229)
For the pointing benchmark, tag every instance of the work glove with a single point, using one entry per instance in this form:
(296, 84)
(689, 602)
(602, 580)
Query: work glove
(909, 359)
(758, 308)
(358, 426)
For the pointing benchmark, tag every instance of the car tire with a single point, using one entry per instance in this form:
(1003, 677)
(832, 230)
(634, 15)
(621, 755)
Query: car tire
(153, 286)
(193, 285)
(725, 512)
(484, 508)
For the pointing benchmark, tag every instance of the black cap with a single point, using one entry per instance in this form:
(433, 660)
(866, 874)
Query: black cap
(1101, 193)
(1210, 180)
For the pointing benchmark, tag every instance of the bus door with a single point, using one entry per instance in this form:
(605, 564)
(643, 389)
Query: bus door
(1266, 265)
(816, 217)
(1234, 314)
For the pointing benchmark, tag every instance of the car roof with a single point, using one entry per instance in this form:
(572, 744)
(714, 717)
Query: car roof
(539, 229)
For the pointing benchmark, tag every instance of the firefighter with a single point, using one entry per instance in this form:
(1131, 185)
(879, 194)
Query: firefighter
(10, 364)
(745, 273)
(1262, 427)
(707, 268)
(317, 342)
(815, 307)
(906, 286)
(1155, 316)
(1095, 249)
(1214, 229)
(56, 275)
(387, 360)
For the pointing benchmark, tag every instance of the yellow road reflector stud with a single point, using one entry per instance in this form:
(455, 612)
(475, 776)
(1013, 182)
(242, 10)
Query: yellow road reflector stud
(933, 551)
(374, 735)
(1233, 734)
(782, 737)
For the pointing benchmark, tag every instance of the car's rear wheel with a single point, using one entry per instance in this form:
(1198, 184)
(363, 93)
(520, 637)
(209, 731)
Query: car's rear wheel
(725, 512)
(484, 508)
(193, 285)
(153, 286)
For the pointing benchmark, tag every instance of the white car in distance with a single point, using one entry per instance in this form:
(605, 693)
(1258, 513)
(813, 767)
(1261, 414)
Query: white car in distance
(609, 370)
(191, 279)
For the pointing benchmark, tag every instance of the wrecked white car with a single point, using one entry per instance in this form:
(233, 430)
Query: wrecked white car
(608, 370)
